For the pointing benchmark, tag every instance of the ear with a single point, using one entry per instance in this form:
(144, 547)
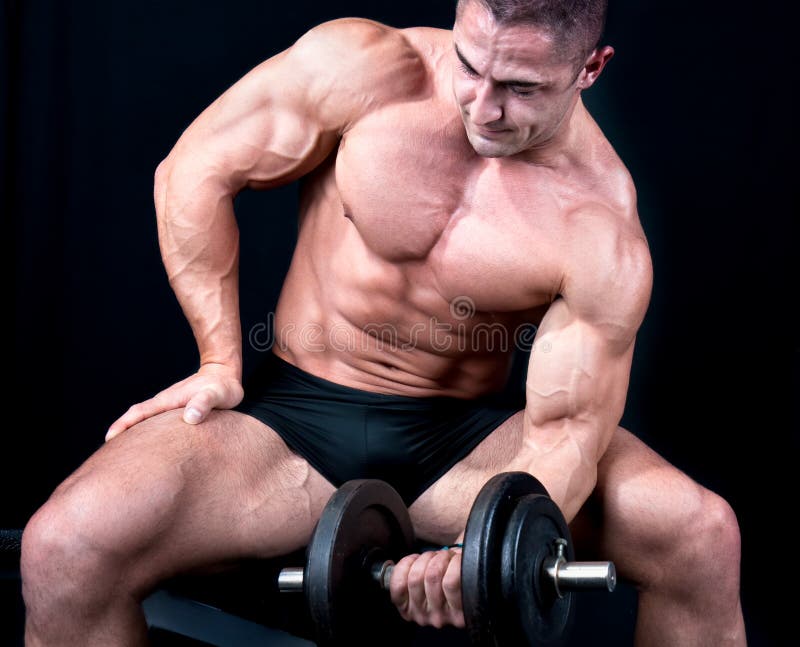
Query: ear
(594, 66)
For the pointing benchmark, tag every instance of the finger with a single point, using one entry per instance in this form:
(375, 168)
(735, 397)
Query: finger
(200, 405)
(116, 428)
(167, 400)
(451, 585)
(134, 415)
(398, 584)
(434, 593)
(416, 588)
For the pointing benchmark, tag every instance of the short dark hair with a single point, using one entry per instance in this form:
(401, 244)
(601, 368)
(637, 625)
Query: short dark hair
(576, 25)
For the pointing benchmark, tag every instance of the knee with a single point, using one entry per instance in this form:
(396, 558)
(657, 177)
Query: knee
(718, 533)
(63, 557)
(707, 546)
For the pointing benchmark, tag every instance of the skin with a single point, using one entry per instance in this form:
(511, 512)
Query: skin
(433, 177)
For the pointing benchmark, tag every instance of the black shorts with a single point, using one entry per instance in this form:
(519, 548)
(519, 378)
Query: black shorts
(346, 433)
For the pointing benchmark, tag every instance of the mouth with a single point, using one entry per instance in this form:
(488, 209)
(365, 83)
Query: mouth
(490, 133)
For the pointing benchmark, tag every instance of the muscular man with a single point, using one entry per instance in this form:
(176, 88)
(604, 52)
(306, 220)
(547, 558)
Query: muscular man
(455, 187)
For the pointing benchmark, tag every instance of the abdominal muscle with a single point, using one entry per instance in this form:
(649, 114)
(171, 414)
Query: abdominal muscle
(376, 364)
(351, 317)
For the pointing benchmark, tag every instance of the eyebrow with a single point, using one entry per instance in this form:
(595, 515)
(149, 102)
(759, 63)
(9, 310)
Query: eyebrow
(514, 82)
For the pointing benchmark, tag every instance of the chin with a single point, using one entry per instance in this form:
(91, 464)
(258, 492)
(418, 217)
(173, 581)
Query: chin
(486, 148)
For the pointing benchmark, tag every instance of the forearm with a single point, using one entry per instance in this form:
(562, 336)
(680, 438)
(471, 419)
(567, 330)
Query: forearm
(563, 456)
(558, 459)
(199, 242)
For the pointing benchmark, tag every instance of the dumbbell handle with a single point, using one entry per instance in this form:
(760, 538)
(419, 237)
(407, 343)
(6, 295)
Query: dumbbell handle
(565, 576)
(582, 576)
(290, 580)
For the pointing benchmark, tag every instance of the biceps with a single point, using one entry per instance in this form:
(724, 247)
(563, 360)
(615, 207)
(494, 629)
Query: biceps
(575, 374)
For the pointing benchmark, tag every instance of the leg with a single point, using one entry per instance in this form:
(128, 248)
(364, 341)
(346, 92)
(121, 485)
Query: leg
(440, 513)
(675, 540)
(678, 542)
(162, 498)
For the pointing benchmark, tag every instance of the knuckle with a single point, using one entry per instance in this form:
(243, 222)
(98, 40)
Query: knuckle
(415, 578)
(451, 582)
(407, 561)
(452, 594)
(205, 393)
(416, 583)
(433, 575)
(439, 559)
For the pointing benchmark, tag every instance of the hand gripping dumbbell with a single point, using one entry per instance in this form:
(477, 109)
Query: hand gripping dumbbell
(518, 573)
(517, 568)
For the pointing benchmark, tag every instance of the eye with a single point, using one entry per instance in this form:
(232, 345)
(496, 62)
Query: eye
(466, 69)
(523, 92)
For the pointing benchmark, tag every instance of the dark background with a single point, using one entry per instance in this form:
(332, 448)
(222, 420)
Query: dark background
(94, 94)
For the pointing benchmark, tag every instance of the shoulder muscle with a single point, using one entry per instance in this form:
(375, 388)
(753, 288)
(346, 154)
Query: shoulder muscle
(352, 66)
(610, 275)
(285, 116)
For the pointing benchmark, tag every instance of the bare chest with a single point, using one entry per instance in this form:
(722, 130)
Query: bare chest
(420, 199)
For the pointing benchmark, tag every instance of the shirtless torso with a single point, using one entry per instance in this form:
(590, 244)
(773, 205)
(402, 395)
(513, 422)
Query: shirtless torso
(454, 188)
(406, 224)
(426, 239)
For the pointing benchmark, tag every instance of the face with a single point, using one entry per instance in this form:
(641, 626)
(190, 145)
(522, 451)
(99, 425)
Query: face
(514, 92)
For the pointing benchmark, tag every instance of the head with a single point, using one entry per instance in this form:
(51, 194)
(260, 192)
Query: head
(521, 66)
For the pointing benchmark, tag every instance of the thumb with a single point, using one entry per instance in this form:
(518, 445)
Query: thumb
(113, 431)
(198, 408)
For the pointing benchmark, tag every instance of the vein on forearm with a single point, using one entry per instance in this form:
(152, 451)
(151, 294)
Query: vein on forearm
(199, 242)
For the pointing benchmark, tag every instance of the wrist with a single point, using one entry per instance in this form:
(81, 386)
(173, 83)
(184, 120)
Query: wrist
(223, 350)
(229, 369)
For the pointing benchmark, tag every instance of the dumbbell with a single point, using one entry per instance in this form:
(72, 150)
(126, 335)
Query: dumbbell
(364, 524)
(517, 570)
(518, 573)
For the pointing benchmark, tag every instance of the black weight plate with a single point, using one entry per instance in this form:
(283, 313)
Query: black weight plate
(480, 559)
(534, 614)
(364, 520)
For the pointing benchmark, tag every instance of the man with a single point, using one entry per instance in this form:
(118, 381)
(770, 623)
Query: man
(454, 186)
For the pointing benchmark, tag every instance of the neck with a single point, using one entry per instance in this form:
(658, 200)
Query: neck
(564, 143)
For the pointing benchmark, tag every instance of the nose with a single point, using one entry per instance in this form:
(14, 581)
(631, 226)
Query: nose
(485, 108)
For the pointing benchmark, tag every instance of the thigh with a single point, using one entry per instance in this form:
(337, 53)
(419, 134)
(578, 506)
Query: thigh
(642, 505)
(440, 513)
(641, 502)
(166, 497)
